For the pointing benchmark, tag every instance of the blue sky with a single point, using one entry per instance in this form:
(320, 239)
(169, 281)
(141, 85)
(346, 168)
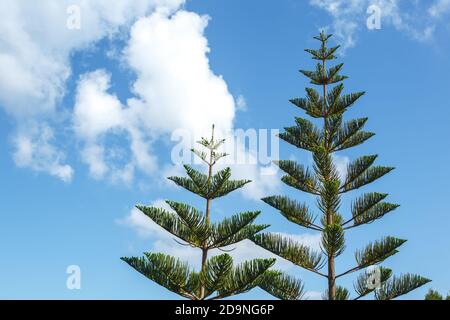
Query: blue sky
(86, 117)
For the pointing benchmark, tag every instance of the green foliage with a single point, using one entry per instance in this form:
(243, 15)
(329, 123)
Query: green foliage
(235, 229)
(321, 76)
(166, 271)
(327, 133)
(378, 251)
(304, 135)
(341, 294)
(217, 272)
(369, 207)
(290, 250)
(244, 277)
(282, 286)
(293, 211)
(298, 177)
(360, 173)
(173, 224)
(434, 295)
(398, 286)
(350, 135)
(214, 187)
(366, 283)
(218, 277)
(333, 241)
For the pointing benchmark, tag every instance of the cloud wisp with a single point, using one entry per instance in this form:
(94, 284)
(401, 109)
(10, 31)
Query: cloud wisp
(349, 17)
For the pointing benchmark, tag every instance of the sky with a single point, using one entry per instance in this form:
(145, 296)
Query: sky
(89, 108)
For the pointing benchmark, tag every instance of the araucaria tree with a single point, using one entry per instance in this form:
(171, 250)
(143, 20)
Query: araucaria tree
(328, 105)
(217, 278)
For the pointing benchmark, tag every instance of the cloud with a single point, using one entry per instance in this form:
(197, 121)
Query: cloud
(175, 90)
(349, 17)
(143, 226)
(174, 87)
(439, 8)
(341, 163)
(164, 241)
(98, 115)
(262, 185)
(241, 103)
(37, 152)
(36, 47)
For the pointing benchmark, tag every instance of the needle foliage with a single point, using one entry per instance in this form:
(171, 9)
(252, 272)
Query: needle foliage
(324, 134)
(218, 277)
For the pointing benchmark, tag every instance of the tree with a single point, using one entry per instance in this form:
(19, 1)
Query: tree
(324, 182)
(434, 295)
(218, 278)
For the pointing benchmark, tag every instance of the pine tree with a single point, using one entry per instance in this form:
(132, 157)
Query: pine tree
(435, 295)
(218, 278)
(324, 182)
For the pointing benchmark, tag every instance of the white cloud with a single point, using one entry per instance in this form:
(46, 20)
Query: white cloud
(349, 17)
(36, 151)
(341, 163)
(175, 87)
(241, 103)
(98, 115)
(310, 240)
(439, 8)
(96, 111)
(262, 185)
(143, 226)
(175, 90)
(36, 45)
(35, 55)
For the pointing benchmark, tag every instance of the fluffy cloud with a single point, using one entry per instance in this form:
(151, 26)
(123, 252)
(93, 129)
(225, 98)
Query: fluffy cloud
(36, 45)
(349, 16)
(175, 91)
(98, 115)
(176, 88)
(35, 61)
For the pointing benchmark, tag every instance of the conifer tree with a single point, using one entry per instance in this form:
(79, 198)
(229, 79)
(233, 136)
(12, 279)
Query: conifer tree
(218, 278)
(435, 295)
(327, 106)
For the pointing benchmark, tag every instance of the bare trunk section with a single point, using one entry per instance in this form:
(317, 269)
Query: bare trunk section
(207, 221)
